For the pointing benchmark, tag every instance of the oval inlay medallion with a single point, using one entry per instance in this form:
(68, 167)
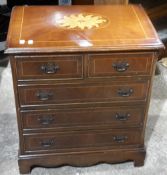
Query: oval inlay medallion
(82, 21)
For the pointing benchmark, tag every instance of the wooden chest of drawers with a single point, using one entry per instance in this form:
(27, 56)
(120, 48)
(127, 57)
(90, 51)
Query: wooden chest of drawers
(82, 80)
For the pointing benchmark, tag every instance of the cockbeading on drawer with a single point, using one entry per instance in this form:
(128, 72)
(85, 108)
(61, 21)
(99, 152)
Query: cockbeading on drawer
(49, 67)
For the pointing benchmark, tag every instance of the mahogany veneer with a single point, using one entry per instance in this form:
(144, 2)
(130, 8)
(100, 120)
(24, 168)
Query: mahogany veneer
(82, 88)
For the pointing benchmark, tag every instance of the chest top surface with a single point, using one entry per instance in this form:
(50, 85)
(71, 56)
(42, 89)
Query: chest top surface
(80, 28)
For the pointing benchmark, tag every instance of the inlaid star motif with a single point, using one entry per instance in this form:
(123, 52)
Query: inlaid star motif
(81, 21)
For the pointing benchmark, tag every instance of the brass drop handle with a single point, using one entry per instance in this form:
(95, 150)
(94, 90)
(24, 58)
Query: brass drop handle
(120, 139)
(46, 120)
(120, 67)
(47, 143)
(122, 117)
(43, 96)
(50, 68)
(125, 92)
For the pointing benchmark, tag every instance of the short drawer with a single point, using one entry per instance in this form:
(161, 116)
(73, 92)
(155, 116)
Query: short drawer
(83, 117)
(79, 140)
(107, 65)
(49, 67)
(81, 93)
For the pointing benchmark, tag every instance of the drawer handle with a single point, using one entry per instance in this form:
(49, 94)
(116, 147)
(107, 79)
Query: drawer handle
(125, 92)
(120, 139)
(50, 68)
(120, 67)
(43, 96)
(47, 143)
(122, 117)
(46, 120)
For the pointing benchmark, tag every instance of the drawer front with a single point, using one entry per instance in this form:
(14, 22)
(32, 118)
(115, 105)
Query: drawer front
(49, 67)
(78, 140)
(88, 117)
(81, 93)
(103, 65)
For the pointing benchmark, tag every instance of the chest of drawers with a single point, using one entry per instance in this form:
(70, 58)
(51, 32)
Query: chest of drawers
(82, 80)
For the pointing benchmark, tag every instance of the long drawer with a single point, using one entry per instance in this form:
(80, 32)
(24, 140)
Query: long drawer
(82, 93)
(126, 64)
(78, 140)
(49, 67)
(83, 117)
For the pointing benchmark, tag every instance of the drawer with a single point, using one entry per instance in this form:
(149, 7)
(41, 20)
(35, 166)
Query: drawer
(79, 140)
(107, 65)
(83, 117)
(82, 93)
(49, 67)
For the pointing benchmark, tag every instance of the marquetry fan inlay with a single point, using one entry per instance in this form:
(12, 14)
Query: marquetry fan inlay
(82, 21)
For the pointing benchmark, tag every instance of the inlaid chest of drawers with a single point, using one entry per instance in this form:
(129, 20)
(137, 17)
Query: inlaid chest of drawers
(82, 80)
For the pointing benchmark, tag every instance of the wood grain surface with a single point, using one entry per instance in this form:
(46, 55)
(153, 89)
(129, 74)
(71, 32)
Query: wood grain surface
(34, 30)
